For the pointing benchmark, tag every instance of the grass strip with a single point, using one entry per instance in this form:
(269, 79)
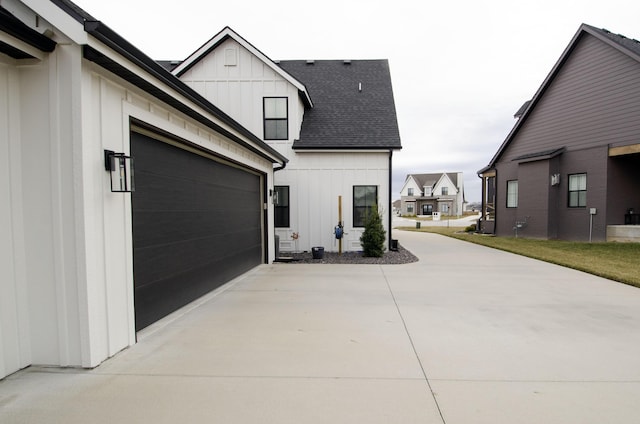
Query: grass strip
(615, 261)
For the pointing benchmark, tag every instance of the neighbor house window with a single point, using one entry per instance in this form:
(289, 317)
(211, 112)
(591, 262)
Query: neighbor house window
(281, 206)
(578, 190)
(445, 191)
(365, 198)
(276, 118)
(512, 194)
(410, 191)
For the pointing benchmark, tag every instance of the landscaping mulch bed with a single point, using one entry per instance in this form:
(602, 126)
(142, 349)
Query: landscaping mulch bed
(401, 256)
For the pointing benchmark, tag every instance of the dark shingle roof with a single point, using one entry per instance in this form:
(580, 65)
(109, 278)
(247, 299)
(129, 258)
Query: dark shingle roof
(353, 104)
(430, 180)
(630, 44)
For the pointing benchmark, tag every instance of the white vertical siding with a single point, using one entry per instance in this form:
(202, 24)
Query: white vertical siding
(66, 296)
(316, 180)
(238, 90)
(14, 322)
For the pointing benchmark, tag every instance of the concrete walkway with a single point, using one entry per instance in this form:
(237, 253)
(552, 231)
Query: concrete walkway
(466, 335)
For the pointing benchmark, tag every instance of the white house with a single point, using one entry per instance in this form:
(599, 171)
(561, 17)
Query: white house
(423, 194)
(84, 267)
(334, 120)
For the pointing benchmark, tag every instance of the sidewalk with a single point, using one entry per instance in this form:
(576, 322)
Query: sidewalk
(399, 221)
(466, 335)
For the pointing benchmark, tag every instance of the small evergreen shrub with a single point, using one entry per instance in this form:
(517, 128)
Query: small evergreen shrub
(374, 236)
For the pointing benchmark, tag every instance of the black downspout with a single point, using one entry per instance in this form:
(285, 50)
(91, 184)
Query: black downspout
(390, 198)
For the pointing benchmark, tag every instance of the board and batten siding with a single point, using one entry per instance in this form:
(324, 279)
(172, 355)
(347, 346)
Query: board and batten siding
(593, 101)
(316, 180)
(66, 248)
(14, 321)
(238, 88)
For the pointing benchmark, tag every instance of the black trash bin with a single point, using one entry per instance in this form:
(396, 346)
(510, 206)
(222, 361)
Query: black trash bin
(317, 252)
(418, 224)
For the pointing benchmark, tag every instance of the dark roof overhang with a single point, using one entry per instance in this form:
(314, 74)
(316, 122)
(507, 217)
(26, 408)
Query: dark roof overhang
(310, 146)
(112, 40)
(18, 30)
(544, 155)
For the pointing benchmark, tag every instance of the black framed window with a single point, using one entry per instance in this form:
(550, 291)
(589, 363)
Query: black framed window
(281, 206)
(445, 191)
(577, 190)
(512, 194)
(365, 198)
(410, 191)
(276, 118)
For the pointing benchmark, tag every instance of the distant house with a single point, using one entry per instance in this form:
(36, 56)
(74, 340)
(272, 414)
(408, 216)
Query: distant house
(570, 167)
(423, 194)
(334, 120)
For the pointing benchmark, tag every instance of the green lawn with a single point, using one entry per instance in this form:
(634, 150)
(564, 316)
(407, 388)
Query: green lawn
(616, 261)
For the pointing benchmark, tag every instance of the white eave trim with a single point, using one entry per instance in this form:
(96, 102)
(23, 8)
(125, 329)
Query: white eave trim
(229, 33)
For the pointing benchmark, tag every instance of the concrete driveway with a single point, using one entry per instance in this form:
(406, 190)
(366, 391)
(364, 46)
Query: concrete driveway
(466, 335)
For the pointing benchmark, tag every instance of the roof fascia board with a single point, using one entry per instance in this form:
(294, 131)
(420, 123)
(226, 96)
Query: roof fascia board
(349, 149)
(53, 13)
(227, 33)
(23, 34)
(164, 96)
(21, 46)
(167, 88)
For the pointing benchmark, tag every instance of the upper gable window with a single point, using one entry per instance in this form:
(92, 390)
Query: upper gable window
(410, 191)
(276, 118)
(445, 191)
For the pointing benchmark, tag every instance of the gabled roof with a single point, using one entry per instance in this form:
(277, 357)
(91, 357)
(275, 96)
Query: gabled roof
(353, 105)
(218, 39)
(430, 180)
(629, 47)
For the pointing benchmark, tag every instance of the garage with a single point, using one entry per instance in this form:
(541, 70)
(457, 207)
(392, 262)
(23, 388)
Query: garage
(197, 223)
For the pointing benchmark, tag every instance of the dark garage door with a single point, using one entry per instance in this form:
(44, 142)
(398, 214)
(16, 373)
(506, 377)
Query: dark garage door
(196, 225)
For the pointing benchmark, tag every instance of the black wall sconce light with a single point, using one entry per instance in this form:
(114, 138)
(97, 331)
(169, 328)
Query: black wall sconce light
(120, 168)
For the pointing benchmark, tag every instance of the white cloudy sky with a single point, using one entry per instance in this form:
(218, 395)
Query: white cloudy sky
(460, 69)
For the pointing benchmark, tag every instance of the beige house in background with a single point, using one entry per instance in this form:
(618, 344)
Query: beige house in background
(424, 194)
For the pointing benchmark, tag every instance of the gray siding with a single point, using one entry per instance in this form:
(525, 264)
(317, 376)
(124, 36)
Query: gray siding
(573, 223)
(533, 202)
(593, 101)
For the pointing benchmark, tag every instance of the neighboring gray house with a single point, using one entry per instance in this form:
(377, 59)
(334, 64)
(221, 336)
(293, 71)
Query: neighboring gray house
(570, 167)
(424, 194)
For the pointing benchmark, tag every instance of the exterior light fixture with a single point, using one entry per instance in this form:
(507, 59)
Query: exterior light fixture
(120, 168)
